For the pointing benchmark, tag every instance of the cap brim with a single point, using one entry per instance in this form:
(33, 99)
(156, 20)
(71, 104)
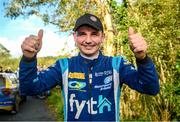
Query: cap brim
(87, 24)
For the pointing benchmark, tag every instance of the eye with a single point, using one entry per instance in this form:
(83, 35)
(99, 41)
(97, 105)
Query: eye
(95, 33)
(80, 33)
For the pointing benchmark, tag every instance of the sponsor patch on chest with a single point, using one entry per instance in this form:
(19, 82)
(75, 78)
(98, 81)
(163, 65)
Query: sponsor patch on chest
(107, 84)
(77, 75)
(103, 73)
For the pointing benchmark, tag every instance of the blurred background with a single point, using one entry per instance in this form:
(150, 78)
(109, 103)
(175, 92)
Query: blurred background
(157, 20)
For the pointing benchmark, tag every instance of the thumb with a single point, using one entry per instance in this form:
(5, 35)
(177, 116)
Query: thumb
(131, 31)
(40, 34)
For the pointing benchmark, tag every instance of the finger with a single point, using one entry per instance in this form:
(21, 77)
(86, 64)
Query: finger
(131, 31)
(136, 39)
(33, 37)
(140, 49)
(28, 48)
(40, 35)
(137, 49)
(32, 42)
(31, 50)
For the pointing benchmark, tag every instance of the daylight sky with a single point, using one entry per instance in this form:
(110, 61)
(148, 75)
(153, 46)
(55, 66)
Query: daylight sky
(13, 32)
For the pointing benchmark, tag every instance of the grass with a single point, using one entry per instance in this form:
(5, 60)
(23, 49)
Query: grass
(55, 103)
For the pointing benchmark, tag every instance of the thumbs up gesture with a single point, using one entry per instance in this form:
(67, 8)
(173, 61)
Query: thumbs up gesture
(32, 45)
(137, 44)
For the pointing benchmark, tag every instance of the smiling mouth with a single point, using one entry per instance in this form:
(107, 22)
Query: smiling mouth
(89, 46)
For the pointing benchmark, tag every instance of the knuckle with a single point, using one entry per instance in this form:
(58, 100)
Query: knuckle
(31, 35)
(26, 38)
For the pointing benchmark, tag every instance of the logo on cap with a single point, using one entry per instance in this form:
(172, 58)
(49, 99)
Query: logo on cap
(93, 18)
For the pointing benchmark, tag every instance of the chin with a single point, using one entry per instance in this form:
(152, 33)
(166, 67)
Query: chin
(88, 53)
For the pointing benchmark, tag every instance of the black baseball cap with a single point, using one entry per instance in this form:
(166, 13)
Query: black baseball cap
(90, 20)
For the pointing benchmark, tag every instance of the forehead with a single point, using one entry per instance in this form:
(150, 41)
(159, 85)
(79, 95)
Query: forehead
(87, 28)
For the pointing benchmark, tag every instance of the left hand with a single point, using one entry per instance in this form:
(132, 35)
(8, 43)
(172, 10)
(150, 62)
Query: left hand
(137, 44)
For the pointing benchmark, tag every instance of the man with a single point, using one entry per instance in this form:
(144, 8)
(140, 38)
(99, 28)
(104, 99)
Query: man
(91, 82)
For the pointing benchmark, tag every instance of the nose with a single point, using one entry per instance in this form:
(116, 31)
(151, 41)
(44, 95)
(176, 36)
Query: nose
(88, 40)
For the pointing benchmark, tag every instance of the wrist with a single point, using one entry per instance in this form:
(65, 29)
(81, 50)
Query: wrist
(142, 60)
(141, 57)
(28, 59)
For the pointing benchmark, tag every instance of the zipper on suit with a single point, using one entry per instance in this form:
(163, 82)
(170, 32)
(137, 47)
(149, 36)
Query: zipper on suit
(90, 87)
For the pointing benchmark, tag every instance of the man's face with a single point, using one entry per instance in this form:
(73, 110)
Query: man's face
(88, 40)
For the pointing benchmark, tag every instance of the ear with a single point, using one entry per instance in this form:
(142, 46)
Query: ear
(103, 37)
(75, 36)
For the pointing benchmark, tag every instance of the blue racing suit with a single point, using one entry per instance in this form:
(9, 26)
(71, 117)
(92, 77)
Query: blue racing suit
(91, 88)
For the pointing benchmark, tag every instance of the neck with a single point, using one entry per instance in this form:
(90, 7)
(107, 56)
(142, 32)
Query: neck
(90, 57)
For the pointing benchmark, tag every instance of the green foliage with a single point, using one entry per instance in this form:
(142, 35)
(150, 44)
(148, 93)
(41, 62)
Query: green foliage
(15, 8)
(55, 103)
(120, 25)
(62, 13)
(6, 62)
(4, 52)
(158, 22)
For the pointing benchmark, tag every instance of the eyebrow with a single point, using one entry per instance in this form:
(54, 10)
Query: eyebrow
(77, 32)
(84, 32)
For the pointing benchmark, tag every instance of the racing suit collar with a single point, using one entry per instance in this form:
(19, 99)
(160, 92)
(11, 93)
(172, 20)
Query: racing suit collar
(90, 58)
(89, 62)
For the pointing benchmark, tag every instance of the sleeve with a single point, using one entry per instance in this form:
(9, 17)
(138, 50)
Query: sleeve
(144, 79)
(33, 82)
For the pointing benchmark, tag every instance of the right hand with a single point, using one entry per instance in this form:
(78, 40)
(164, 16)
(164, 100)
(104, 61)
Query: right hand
(32, 45)
(137, 44)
